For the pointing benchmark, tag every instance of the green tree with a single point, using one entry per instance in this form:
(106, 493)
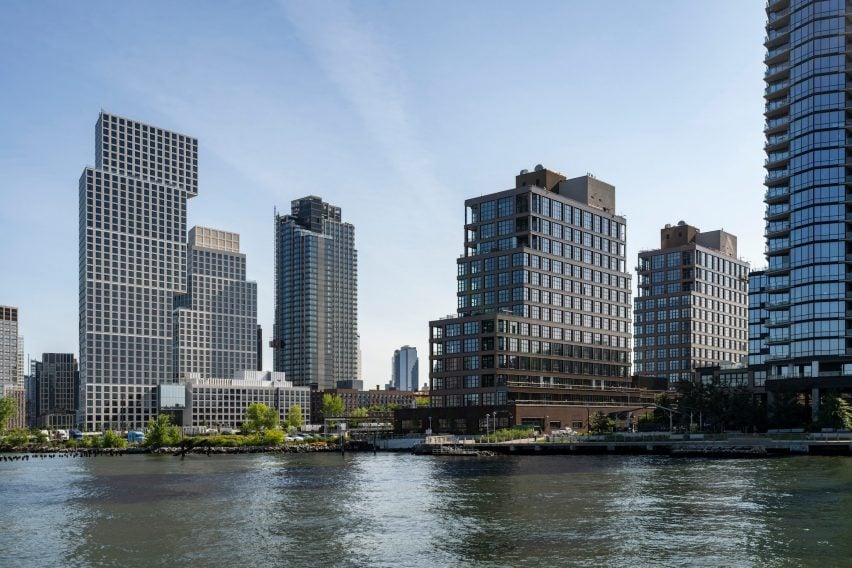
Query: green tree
(111, 439)
(8, 411)
(835, 412)
(260, 417)
(421, 401)
(161, 432)
(294, 416)
(17, 437)
(600, 423)
(787, 410)
(358, 415)
(40, 436)
(332, 405)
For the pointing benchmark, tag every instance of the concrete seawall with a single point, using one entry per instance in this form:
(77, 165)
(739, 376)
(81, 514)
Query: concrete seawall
(740, 448)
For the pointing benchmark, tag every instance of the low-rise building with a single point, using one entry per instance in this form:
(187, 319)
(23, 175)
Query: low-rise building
(222, 403)
(353, 398)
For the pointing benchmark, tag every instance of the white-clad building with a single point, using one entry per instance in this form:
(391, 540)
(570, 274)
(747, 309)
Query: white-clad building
(222, 403)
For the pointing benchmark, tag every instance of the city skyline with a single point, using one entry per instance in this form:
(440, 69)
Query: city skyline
(661, 141)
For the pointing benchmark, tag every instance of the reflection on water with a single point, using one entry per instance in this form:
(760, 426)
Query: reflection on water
(401, 510)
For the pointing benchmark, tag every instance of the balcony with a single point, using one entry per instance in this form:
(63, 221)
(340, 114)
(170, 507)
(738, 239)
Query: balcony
(779, 229)
(777, 213)
(777, 54)
(778, 267)
(777, 87)
(776, 37)
(776, 106)
(776, 175)
(775, 140)
(778, 245)
(775, 159)
(775, 16)
(776, 193)
(774, 72)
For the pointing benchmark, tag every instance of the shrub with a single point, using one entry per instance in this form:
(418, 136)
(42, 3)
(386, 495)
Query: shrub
(272, 438)
(113, 440)
(161, 432)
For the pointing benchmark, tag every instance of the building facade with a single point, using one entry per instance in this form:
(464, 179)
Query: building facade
(405, 369)
(132, 216)
(808, 190)
(542, 330)
(358, 398)
(11, 348)
(12, 364)
(758, 319)
(315, 334)
(215, 321)
(222, 403)
(57, 387)
(692, 304)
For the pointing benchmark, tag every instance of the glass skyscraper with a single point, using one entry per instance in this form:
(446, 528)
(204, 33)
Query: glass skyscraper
(808, 282)
(132, 216)
(405, 369)
(315, 334)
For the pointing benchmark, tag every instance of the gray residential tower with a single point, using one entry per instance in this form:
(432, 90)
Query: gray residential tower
(215, 322)
(315, 334)
(133, 252)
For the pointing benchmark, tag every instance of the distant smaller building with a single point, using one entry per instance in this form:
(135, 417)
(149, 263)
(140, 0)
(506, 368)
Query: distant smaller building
(19, 395)
(405, 369)
(353, 399)
(57, 382)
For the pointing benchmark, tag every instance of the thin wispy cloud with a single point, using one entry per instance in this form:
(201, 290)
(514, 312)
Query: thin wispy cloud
(366, 73)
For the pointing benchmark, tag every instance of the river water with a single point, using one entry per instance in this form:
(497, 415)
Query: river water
(402, 510)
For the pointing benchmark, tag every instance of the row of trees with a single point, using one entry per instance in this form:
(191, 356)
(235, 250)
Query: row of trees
(718, 409)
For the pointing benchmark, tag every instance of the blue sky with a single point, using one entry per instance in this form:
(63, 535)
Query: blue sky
(394, 111)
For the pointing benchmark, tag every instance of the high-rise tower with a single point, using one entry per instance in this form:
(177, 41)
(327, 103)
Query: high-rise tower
(11, 348)
(215, 322)
(691, 309)
(808, 283)
(315, 334)
(132, 264)
(542, 330)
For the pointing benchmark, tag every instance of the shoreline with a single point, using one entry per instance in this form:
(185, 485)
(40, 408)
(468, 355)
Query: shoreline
(718, 449)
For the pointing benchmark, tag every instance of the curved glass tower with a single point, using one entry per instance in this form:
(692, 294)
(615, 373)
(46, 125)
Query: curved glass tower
(807, 191)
